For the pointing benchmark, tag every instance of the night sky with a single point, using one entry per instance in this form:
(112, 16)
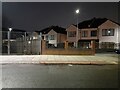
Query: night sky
(31, 16)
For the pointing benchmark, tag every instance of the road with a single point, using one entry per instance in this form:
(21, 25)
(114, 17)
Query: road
(59, 76)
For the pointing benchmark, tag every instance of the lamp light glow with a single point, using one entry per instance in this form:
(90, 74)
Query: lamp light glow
(10, 29)
(77, 11)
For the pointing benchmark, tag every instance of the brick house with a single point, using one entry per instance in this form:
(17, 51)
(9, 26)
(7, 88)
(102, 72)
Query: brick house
(109, 35)
(54, 35)
(105, 32)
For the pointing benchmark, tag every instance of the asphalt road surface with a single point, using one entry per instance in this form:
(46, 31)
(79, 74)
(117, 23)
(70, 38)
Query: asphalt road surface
(59, 76)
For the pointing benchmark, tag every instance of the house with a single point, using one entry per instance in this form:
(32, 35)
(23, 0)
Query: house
(54, 35)
(109, 35)
(72, 37)
(103, 31)
(89, 31)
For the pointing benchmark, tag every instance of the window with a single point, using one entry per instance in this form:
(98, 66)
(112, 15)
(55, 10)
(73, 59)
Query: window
(34, 37)
(72, 34)
(84, 33)
(52, 37)
(94, 33)
(107, 45)
(107, 32)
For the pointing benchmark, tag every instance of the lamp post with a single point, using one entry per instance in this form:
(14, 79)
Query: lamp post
(10, 29)
(25, 48)
(30, 47)
(77, 12)
(23, 44)
(40, 43)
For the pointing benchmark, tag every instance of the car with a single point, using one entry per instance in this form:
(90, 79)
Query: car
(117, 51)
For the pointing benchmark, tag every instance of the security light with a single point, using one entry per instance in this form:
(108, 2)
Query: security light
(109, 31)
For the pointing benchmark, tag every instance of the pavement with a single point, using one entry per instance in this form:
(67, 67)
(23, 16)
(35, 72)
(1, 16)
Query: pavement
(100, 59)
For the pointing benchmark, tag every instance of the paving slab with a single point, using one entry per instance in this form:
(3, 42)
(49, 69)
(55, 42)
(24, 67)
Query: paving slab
(61, 59)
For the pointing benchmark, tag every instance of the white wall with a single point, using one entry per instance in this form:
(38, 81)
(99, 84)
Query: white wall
(52, 32)
(107, 25)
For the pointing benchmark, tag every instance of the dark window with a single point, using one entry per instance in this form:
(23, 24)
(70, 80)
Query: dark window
(72, 34)
(107, 45)
(93, 33)
(84, 33)
(107, 32)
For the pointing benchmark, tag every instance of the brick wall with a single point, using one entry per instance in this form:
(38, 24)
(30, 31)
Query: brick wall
(66, 51)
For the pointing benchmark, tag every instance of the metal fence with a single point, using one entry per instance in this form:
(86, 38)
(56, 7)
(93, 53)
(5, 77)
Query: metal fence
(28, 43)
(20, 43)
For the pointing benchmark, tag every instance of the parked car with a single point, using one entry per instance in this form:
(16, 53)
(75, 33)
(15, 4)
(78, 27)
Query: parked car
(117, 51)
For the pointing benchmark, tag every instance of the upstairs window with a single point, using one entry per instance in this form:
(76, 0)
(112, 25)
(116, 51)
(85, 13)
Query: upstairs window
(94, 33)
(52, 37)
(84, 33)
(107, 32)
(72, 34)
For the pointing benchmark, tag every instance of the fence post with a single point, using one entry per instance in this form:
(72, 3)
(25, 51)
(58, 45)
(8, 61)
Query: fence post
(66, 44)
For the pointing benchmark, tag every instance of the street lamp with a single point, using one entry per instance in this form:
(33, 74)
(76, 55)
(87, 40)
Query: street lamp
(40, 43)
(10, 29)
(77, 12)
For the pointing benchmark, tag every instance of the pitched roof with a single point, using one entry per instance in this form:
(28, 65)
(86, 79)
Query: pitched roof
(57, 29)
(92, 23)
(114, 22)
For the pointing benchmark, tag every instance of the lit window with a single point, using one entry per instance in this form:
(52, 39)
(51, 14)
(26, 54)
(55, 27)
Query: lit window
(107, 32)
(34, 37)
